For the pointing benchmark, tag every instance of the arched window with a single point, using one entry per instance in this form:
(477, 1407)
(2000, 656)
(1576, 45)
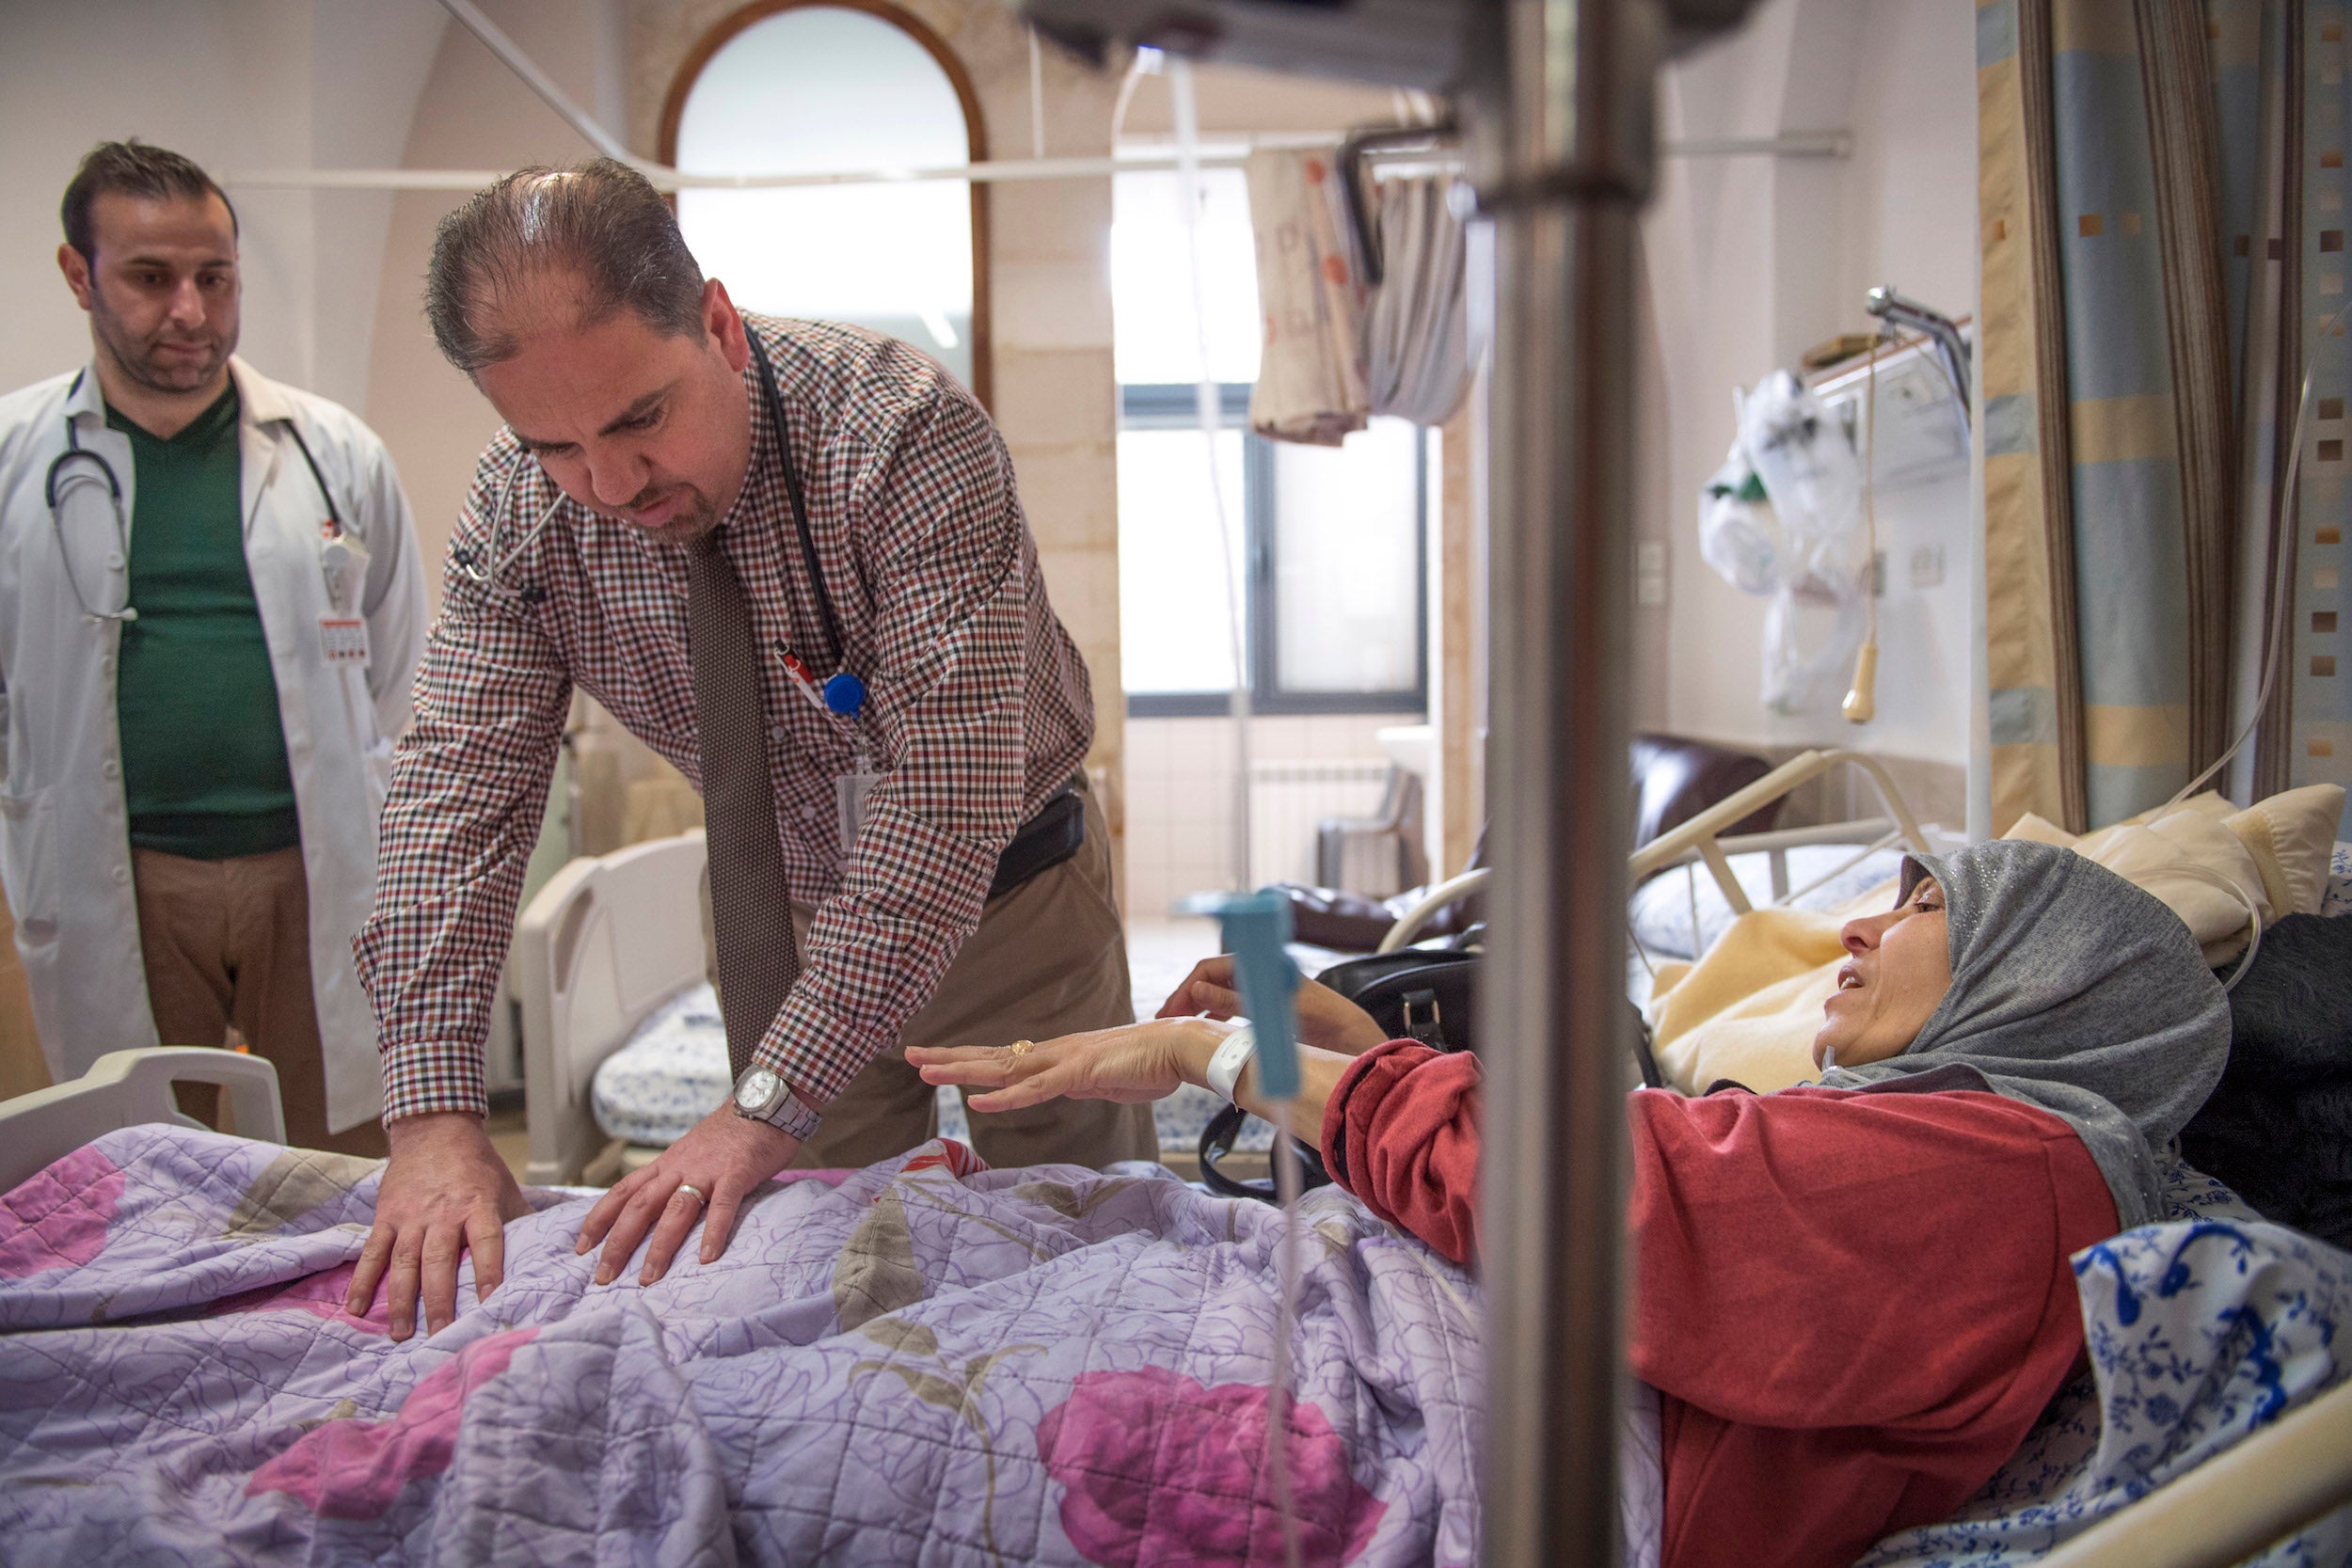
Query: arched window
(815, 87)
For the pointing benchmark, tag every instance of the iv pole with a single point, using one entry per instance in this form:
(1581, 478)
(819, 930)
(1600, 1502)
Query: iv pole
(1562, 159)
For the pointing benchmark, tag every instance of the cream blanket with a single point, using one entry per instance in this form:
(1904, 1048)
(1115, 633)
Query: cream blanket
(1748, 1010)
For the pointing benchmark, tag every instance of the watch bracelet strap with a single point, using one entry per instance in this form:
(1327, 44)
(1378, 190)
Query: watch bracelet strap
(790, 1113)
(1232, 1059)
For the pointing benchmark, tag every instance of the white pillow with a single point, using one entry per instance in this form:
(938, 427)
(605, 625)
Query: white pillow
(2275, 852)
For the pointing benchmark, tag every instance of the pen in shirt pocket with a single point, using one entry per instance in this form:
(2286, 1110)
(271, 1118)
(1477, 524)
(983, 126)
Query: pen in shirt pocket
(803, 682)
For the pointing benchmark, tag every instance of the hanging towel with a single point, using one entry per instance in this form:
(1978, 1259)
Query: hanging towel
(1310, 382)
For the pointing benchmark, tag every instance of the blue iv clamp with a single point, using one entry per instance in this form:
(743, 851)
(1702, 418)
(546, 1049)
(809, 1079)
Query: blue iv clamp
(1257, 928)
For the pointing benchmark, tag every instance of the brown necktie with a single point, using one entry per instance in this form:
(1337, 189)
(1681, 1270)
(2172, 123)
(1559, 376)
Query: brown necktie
(751, 903)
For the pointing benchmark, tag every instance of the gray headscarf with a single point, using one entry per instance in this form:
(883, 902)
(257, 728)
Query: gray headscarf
(2073, 990)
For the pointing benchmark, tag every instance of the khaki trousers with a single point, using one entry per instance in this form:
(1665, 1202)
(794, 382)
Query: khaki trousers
(229, 942)
(1049, 959)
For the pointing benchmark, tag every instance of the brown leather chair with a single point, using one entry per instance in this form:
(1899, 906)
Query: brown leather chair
(1674, 778)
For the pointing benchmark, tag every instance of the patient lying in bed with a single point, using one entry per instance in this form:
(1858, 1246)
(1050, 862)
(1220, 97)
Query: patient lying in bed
(1852, 1302)
(930, 1361)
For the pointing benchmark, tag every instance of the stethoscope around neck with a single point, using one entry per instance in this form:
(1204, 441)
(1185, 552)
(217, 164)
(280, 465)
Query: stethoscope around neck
(483, 567)
(79, 465)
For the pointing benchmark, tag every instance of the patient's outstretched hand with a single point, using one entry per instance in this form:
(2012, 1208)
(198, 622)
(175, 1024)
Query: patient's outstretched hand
(1326, 1019)
(1131, 1063)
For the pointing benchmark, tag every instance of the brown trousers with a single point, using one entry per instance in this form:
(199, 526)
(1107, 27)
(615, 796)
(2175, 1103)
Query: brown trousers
(1049, 959)
(229, 942)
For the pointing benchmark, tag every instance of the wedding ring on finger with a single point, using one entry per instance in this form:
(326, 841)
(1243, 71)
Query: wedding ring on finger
(1022, 1048)
(697, 1191)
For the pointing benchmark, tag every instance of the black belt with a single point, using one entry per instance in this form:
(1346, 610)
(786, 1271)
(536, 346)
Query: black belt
(1057, 832)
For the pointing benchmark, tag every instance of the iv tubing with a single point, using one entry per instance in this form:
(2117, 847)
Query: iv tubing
(1207, 401)
(1285, 1327)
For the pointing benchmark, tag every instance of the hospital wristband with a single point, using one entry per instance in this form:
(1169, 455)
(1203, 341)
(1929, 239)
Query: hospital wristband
(1232, 1056)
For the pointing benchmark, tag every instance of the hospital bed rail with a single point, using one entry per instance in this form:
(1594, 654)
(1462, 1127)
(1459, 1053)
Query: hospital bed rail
(130, 1089)
(1700, 839)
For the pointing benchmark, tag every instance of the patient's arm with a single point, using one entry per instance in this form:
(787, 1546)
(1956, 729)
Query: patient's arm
(1326, 1019)
(1134, 1062)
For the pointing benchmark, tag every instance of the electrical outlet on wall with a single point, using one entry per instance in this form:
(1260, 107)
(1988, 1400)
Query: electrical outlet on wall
(1927, 566)
(1649, 574)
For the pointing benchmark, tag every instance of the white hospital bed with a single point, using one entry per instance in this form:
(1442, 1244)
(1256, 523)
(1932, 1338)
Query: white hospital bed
(605, 943)
(1701, 843)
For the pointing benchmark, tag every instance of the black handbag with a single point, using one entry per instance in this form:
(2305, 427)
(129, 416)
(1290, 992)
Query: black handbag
(1416, 994)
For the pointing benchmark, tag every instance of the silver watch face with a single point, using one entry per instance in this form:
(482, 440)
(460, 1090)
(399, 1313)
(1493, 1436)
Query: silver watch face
(758, 1091)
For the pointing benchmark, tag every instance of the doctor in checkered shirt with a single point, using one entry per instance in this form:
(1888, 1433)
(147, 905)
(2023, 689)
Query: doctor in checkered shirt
(637, 427)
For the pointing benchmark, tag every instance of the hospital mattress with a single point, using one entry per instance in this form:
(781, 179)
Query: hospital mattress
(674, 1071)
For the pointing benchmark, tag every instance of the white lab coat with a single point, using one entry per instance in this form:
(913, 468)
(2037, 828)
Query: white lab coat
(64, 832)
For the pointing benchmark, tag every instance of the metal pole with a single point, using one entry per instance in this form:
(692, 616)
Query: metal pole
(1562, 150)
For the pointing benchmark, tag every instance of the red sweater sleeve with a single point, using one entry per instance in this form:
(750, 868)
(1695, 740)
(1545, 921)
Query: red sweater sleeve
(1895, 1263)
(1411, 1156)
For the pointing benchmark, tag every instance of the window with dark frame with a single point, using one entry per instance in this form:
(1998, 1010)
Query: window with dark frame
(1299, 658)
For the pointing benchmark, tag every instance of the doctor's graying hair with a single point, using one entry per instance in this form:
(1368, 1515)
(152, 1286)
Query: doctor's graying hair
(133, 168)
(599, 228)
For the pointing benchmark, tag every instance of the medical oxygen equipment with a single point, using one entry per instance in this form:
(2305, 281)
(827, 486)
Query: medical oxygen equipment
(342, 559)
(1257, 929)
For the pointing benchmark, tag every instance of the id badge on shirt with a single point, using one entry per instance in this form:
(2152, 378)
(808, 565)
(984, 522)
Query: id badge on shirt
(849, 791)
(343, 638)
(343, 633)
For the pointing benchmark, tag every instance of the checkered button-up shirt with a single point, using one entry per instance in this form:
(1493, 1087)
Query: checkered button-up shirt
(979, 708)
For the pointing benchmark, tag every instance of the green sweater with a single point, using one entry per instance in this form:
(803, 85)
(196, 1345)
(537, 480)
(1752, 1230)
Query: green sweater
(204, 771)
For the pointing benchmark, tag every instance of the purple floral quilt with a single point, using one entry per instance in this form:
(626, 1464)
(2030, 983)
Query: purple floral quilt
(928, 1363)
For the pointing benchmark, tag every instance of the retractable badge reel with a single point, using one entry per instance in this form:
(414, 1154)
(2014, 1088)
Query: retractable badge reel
(845, 694)
(344, 561)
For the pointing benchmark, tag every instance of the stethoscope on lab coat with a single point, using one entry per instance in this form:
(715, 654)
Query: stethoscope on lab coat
(843, 694)
(337, 554)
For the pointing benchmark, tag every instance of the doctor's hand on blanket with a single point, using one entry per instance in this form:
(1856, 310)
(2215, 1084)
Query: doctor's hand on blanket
(445, 1192)
(721, 1159)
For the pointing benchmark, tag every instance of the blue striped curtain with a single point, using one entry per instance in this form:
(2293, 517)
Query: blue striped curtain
(2157, 254)
(2130, 565)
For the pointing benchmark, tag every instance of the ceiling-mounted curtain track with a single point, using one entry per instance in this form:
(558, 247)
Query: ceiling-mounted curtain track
(1218, 153)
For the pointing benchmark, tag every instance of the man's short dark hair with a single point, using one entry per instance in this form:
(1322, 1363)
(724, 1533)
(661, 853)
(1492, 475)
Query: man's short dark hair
(599, 227)
(134, 168)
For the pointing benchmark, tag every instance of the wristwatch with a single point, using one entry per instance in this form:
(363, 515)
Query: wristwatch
(762, 1096)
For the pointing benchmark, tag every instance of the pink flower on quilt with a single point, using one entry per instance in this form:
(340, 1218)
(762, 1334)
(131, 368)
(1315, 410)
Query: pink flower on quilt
(322, 1296)
(353, 1470)
(58, 1219)
(1152, 1464)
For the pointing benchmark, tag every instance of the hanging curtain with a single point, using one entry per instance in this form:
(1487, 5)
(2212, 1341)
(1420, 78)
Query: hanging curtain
(1338, 350)
(2109, 564)
(2308, 729)
(1417, 322)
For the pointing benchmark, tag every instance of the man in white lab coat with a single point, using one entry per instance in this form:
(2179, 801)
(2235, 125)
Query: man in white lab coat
(211, 607)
